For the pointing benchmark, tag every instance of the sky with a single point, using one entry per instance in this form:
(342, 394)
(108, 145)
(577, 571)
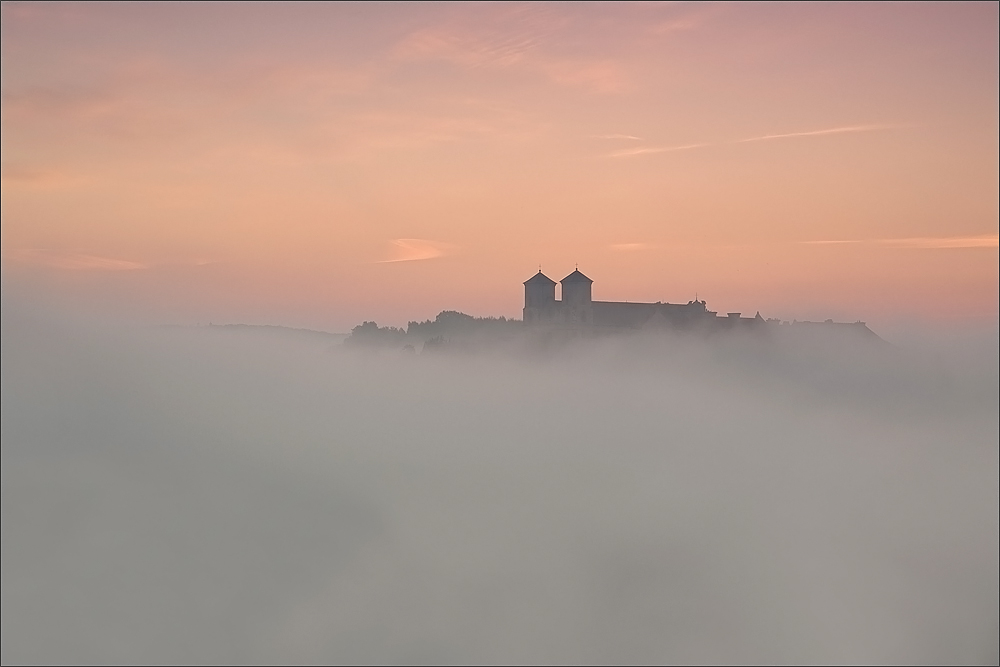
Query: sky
(320, 165)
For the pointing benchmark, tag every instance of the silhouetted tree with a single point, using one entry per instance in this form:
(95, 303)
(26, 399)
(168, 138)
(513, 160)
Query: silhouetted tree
(372, 335)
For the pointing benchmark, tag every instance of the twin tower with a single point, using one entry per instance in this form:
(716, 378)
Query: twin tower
(578, 309)
(540, 305)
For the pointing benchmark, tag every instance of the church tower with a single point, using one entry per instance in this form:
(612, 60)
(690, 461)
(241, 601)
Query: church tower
(577, 304)
(539, 299)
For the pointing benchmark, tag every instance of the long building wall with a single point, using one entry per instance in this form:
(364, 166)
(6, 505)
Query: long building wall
(577, 310)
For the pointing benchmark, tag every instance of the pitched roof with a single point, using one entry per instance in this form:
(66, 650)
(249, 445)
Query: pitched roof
(576, 277)
(539, 279)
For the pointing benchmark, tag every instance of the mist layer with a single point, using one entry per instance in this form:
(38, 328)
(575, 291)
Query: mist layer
(222, 495)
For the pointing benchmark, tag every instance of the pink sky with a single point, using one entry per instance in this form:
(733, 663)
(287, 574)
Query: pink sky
(316, 165)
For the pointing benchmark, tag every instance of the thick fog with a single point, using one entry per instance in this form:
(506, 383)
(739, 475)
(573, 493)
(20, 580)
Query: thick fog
(249, 495)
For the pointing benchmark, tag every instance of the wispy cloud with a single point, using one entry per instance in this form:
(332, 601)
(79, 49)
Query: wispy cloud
(953, 242)
(510, 37)
(410, 250)
(627, 152)
(69, 260)
(767, 137)
(817, 133)
(500, 37)
(615, 136)
(17, 174)
(467, 50)
(692, 18)
(674, 25)
(603, 76)
(927, 243)
(630, 247)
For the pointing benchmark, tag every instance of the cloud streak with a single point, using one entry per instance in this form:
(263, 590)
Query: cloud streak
(630, 152)
(819, 133)
(630, 247)
(412, 250)
(926, 243)
(70, 261)
(616, 136)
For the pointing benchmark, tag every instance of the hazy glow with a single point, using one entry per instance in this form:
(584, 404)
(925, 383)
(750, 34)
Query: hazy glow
(305, 149)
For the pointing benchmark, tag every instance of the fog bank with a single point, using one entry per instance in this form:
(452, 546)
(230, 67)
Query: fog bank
(226, 495)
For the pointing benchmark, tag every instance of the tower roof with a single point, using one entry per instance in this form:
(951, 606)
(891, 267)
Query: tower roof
(539, 279)
(576, 277)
